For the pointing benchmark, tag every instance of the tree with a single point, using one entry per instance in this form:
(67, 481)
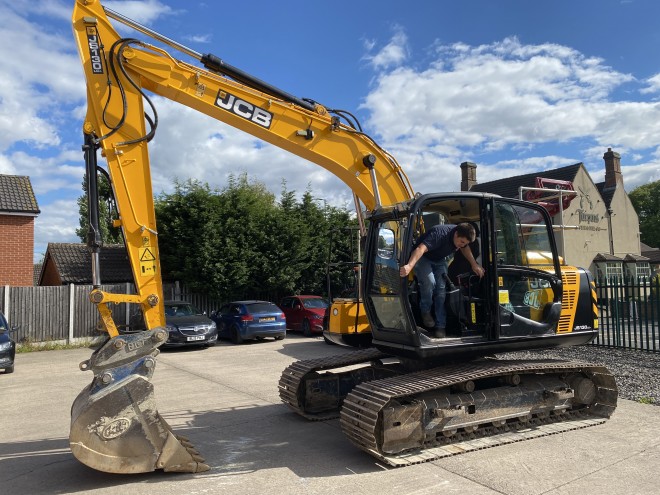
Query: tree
(109, 233)
(241, 243)
(247, 241)
(646, 201)
(342, 253)
(184, 219)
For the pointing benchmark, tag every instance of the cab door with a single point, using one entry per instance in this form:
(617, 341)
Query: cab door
(528, 287)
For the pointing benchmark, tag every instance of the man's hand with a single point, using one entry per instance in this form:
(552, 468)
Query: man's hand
(478, 270)
(414, 258)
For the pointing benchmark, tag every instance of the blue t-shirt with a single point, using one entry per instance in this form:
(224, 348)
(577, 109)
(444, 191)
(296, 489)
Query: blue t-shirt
(440, 241)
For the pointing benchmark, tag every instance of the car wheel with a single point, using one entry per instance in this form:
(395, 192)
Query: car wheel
(279, 337)
(307, 329)
(9, 370)
(236, 335)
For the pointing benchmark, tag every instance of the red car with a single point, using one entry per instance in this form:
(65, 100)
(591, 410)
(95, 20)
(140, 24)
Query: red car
(304, 313)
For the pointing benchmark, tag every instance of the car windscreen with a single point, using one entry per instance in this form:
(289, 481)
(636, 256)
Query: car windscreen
(181, 310)
(262, 308)
(315, 303)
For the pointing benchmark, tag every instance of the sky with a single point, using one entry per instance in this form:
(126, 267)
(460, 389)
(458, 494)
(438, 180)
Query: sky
(514, 86)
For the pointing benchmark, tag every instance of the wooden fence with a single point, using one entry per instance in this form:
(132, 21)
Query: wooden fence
(65, 313)
(61, 313)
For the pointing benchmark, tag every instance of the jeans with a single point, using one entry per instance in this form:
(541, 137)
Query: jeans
(432, 288)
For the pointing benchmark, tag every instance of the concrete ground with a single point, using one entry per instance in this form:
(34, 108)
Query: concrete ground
(225, 399)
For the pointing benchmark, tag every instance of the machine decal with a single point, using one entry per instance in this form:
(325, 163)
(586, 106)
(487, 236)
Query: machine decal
(532, 299)
(147, 262)
(108, 428)
(242, 108)
(94, 50)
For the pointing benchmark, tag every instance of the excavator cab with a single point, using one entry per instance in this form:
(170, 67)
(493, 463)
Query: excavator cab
(521, 299)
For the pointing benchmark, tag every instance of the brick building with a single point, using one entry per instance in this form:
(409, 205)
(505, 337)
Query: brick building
(18, 210)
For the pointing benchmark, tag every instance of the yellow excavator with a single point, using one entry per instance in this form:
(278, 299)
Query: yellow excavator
(412, 396)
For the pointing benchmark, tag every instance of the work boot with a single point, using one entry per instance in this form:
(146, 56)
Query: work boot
(439, 332)
(427, 320)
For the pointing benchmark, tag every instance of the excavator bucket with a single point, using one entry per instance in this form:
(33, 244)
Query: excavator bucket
(115, 426)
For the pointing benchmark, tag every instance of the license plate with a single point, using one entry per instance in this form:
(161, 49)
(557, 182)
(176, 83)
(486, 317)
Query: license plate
(269, 318)
(196, 337)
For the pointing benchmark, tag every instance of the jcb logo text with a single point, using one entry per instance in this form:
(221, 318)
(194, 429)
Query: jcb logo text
(244, 109)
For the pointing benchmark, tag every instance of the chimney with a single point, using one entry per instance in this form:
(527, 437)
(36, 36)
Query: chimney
(613, 176)
(468, 175)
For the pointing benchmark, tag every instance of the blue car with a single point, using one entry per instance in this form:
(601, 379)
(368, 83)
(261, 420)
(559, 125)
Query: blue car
(249, 320)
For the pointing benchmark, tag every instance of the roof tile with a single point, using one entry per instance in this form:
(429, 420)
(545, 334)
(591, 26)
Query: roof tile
(74, 263)
(508, 187)
(16, 195)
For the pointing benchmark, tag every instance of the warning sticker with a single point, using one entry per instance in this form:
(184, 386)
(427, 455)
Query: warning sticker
(147, 262)
(146, 254)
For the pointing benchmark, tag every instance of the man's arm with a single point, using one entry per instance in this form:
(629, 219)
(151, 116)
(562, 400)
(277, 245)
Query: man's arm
(414, 258)
(467, 252)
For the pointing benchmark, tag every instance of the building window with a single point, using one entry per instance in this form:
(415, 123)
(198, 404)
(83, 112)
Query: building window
(643, 269)
(613, 271)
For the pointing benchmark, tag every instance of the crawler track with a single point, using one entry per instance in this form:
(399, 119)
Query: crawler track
(382, 407)
(362, 415)
(296, 391)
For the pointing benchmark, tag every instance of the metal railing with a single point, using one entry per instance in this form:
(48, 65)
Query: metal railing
(629, 313)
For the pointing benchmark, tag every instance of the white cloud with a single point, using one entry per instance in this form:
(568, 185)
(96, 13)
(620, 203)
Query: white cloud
(192, 145)
(199, 38)
(48, 8)
(653, 85)
(57, 222)
(40, 77)
(502, 97)
(392, 54)
(142, 11)
(639, 175)
(500, 105)
(62, 172)
(6, 166)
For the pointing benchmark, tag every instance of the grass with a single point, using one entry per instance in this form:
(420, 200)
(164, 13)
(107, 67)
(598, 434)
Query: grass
(646, 400)
(28, 346)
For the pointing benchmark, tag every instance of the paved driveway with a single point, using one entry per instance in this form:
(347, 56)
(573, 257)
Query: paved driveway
(225, 400)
